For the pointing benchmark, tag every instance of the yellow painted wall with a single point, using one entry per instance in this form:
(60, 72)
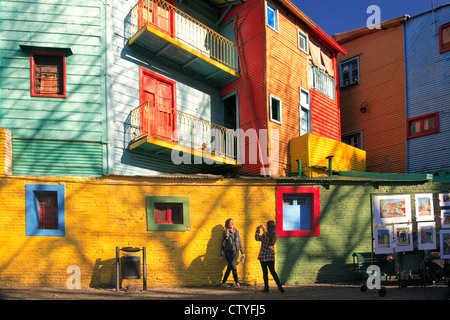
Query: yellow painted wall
(313, 151)
(101, 214)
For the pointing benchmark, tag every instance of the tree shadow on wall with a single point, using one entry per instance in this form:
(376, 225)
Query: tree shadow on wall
(207, 268)
(104, 274)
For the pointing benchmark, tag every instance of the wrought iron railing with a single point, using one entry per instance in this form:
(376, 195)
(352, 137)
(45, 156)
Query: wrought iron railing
(170, 20)
(156, 120)
(321, 81)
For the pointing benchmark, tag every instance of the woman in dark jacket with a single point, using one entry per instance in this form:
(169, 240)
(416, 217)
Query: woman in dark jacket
(231, 245)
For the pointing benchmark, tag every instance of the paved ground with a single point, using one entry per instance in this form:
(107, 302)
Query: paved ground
(297, 292)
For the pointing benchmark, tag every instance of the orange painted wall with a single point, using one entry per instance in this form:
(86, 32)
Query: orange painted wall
(382, 87)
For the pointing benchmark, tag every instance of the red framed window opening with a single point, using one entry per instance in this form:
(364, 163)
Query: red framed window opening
(423, 125)
(444, 38)
(48, 74)
(48, 210)
(298, 211)
(170, 213)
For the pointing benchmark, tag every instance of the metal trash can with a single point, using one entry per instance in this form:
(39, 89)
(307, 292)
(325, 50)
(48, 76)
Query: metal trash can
(131, 266)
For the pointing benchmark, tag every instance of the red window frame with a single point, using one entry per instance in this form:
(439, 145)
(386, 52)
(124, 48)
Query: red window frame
(435, 116)
(314, 193)
(169, 218)
(441, 41)
(33, 73)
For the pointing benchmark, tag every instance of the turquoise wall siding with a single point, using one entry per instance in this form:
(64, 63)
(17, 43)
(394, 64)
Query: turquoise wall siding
(428, 83)
(55, 136)
(197, 98)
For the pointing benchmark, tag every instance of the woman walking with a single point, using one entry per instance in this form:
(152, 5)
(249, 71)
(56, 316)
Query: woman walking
(231, 245)
(267, 253)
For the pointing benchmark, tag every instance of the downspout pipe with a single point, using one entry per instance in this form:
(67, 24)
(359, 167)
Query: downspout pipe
(330, 165)
(299, 162)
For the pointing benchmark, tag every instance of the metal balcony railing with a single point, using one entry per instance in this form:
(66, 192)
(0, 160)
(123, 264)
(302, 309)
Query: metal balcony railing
(156, 120)
(168, 19)
(322, 82)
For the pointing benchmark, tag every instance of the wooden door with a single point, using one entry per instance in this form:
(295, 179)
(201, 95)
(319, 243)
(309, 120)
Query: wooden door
(158, 111)
(157, 13)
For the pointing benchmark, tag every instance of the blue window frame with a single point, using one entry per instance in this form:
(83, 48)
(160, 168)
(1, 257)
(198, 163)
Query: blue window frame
(349, 72)
(39, 200)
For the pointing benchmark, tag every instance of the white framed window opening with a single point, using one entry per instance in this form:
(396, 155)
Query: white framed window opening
(275, 109)
(305, 113)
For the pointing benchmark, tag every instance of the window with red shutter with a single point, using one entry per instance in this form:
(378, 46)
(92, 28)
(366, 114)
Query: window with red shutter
(171, 213)
(48, 74)
(48, 210)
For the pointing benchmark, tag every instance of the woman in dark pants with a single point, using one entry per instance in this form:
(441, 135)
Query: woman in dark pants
(267, 253)
(231, 245)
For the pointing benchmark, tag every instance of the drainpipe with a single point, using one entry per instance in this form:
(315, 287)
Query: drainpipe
(330, 165)
(299, 162)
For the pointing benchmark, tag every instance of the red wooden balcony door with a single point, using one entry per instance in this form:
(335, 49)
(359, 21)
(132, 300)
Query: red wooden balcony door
(158, 14)
(158, 111)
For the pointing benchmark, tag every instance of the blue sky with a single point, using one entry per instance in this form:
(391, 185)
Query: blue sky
(334, 16)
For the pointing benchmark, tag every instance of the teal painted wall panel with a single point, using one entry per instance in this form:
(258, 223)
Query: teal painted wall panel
(80, 118)
(55, 158)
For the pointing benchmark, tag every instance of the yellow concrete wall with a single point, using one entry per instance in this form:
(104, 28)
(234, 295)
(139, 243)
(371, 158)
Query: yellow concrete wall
(313, 151)
(101, 214)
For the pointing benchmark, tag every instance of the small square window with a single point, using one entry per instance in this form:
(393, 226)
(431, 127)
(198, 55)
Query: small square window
(48, 74)
(444, 38)
(272, 16)
(45, 210)
(298, 211)
(168, 213)
(275, 109)
(349, 72)
(302, 41)
(423, 125)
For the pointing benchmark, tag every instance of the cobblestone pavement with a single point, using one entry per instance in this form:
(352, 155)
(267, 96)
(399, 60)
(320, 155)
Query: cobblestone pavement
(293, 292)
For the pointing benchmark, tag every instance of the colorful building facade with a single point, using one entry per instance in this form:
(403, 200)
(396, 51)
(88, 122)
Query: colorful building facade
(134, 140)
(394, 101)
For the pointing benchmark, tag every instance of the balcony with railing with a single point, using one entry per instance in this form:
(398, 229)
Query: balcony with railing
(159, 129)
(321, 81)
(167, 33)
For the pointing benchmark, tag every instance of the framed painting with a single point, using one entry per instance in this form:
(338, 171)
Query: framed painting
(445, 218)
(384, 239)
(392, 209)
(424, 207)
(445, 244)
(403, 237)
(444, 199)
(426, 235)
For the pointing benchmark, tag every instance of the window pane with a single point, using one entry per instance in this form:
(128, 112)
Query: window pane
(177, 214)
(161, 214)
(296, 216)
(270, 17)
(428, 125)
(48, 210)
(49, 74)
(414, 127)
(446, 38)
(275, 109)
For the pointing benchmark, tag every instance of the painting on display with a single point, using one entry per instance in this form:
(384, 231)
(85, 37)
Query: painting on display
(445, 244)
(403, 237)
(383, 239)
(426, 233)
(424, 207)
(392, 209)
(444, 199)
(445, 218)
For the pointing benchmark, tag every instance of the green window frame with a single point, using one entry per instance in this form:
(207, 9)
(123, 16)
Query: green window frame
(154, 201)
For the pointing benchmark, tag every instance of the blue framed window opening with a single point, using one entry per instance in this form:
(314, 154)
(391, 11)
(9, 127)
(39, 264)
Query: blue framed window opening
(349, 72)
(272, 16)
(45, 214)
